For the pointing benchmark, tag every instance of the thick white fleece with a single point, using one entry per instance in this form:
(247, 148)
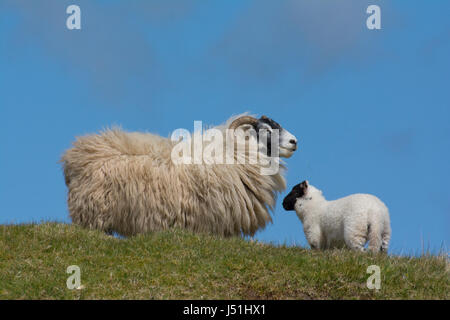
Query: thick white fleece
(350, 221)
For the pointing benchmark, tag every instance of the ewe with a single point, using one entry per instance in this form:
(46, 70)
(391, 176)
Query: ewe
(128, 183)
(350, 221)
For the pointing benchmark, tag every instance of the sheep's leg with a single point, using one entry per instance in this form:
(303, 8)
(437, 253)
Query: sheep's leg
(355, 238)
(385, 237)
(356, 243)
(384, 243)
(375, 238)
(313, 235)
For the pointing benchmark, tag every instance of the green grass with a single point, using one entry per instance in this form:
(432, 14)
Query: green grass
(181, 265)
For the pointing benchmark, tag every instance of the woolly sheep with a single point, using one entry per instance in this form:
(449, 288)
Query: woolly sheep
(350, 221)
(126, 182)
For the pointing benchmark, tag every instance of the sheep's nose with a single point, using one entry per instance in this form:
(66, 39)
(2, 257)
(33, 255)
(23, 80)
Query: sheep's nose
(293, 141)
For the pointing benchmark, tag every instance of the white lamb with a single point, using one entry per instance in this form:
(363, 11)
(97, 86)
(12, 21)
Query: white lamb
(350, 221)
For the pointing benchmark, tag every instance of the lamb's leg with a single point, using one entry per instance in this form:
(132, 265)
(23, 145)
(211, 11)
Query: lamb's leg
(385, 237)
(313, 235)
(355, 237)
(375, 238)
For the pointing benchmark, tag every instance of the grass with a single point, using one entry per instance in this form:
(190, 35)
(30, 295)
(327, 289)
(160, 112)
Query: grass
(181, 265)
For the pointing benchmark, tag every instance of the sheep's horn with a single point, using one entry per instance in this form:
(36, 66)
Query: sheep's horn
(242, 120)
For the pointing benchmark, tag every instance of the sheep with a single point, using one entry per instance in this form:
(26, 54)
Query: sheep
(127, 183)
(350, 221)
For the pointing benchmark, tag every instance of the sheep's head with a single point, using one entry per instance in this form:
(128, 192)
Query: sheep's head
(287, 143)
(298, 191)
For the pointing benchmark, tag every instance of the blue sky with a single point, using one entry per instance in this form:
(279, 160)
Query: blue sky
(371, 108)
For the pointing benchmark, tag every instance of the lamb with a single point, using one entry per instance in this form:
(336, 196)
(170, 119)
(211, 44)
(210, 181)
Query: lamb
(126, 182)
(350, 221)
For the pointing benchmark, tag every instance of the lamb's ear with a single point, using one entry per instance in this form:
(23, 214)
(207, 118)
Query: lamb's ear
(304, 185)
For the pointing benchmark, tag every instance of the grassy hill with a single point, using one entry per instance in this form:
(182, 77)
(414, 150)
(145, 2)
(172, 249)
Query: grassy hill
(182, 265)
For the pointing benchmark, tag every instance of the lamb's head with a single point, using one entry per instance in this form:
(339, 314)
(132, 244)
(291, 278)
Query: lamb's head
(287, 143)
(301, 194)
(299, 191)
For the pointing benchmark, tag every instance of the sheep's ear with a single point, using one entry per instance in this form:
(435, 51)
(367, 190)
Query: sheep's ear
(304, 185)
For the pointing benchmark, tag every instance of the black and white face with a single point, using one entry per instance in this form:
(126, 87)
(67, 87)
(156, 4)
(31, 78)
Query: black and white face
(287, 143)
(297, 192)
